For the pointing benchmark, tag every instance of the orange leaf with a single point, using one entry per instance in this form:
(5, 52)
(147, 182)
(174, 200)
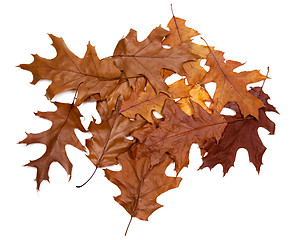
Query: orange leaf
(231, 86)
(198, 95)
(179, 89)
(179, 33)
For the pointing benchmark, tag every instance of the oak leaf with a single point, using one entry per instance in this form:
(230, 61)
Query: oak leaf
(194, 71)
(180, 89)
(140, 183)
(178, 131)
(258, 93)
(64, 120)
(231, 86)
(109, 137)
(179, 32)
(123, 89)
(67, 72)
(239, 133)
(196, 94)
(143, 103)
(148, 58)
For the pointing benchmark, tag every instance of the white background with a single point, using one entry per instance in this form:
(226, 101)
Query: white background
(206, 206)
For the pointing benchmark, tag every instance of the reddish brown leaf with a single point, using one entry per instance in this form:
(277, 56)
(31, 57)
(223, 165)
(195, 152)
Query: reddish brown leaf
(258, 93)
(239, 133)
(140, 183)
(178, 131)
(148, 58)
(64, 120)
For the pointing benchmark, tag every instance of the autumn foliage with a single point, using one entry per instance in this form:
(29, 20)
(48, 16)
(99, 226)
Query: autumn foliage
(128, 88)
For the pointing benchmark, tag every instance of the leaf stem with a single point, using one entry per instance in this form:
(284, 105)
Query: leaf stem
(72, 104)
(176, 23)
(79, 186)
(264, 81)
(128, 225)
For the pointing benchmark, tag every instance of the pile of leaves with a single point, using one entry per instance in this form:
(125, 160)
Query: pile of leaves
(128, 88)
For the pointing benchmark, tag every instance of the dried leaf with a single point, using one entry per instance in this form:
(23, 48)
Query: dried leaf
(194, 71)
(140, 183)
(239, 133)
(123, 89)
(231, 86)
(196, 93)
(179, 89)
(143, 103)
(67, 71)
(179, 33)
(178, 131)
(64, 120)
(109, 137)
(148, 58)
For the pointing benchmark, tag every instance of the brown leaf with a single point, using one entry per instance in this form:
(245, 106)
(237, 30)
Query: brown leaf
(140, 183)
(258, 93)
(194, 71)
(165, 73)
(239, 133)
(179, 33)
(67, 71)
(143, 103)
(64, 120)
(148, 58)
(178, 131)
(231, 86)
(109, 137)
(200, 50)
(123, 89)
